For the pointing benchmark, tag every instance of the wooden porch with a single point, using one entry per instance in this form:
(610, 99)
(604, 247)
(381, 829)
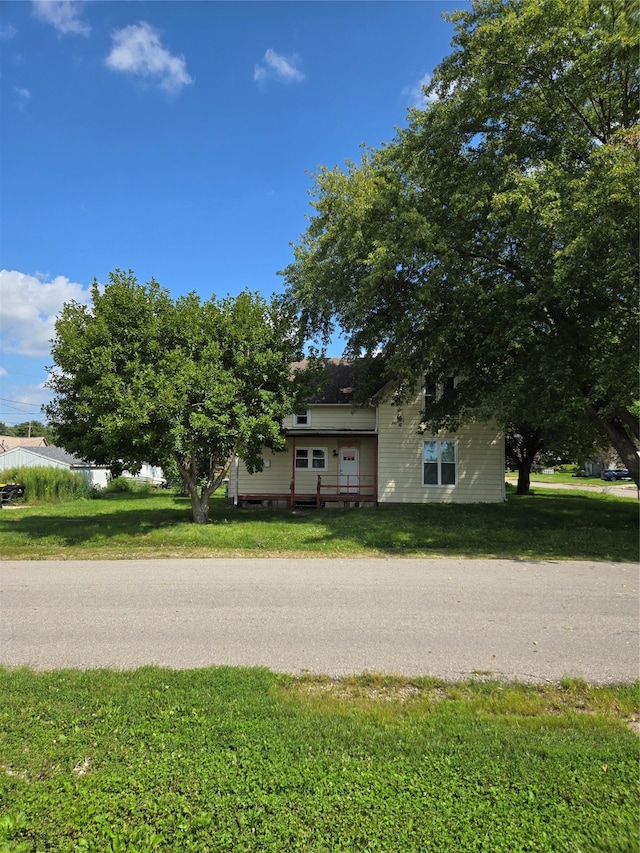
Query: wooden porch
(359, 489)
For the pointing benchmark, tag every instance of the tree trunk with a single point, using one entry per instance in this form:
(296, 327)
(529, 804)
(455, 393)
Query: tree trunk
(191, 476)
(200, 506)
(199, 502)
(524, 477)
(522, 444)
(622, 440)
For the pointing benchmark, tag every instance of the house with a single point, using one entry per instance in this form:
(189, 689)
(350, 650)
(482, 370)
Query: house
(340, 454)
(8, 442)
(57, 457)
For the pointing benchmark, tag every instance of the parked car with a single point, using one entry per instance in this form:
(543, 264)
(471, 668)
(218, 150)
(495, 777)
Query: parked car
(10, 491)
(616, 474)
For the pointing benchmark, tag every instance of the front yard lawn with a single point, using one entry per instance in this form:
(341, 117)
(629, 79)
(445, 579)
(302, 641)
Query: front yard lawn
(545, 525)
(247, 760)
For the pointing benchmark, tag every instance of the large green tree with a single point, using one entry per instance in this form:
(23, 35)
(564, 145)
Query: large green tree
(139, 377)
(496, 237)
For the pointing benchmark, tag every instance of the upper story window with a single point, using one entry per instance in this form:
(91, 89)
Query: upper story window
(439, 463)
(302, 419)
(432, 392)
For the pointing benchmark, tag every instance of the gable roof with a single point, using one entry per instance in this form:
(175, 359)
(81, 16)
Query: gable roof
(8, 442)
(56, 454)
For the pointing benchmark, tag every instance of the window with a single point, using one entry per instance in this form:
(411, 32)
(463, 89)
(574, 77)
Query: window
(439, 463)
(303, 419)
(311, 458)
(433, 392)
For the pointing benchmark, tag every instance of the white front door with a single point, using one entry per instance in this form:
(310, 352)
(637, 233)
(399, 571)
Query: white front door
(348, 471)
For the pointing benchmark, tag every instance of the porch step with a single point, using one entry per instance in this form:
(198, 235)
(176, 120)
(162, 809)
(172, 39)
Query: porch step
(305, 502)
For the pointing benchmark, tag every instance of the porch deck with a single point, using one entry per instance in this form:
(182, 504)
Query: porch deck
(345, 492)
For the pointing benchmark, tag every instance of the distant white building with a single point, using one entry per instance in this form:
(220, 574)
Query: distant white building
(57, 457)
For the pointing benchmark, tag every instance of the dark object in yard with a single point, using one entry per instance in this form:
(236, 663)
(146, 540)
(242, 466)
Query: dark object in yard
(616, 474)
(9, 492)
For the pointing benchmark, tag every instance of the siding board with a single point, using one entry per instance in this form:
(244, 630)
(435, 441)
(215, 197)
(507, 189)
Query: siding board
(480, 460)
(334, 417)
(277, 477)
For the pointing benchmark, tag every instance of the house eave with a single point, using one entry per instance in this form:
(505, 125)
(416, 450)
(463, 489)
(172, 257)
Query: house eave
(330, 433)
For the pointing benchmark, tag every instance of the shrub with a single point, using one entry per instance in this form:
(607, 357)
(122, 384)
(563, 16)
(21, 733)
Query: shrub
(126, 485)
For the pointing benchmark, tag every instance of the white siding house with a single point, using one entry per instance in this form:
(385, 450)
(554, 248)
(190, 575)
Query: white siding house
(338, 453)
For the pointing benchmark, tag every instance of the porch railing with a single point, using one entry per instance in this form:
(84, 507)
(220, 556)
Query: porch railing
(348, 487)
(354, 488)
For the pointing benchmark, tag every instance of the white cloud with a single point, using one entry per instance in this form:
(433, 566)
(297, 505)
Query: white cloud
(30, 305)
(64, 15)
(278, 67)
(24, 96)
(7, 32)
(137, 50)
(416, 94)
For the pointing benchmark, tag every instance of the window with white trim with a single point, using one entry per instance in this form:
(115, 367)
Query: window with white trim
(302, 419)
(439, 463)
(311, 458)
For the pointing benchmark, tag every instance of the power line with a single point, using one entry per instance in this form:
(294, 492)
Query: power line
(17, 402)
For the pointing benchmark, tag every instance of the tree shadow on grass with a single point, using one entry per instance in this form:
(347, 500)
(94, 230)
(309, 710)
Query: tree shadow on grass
(542, 526)
(74, 530)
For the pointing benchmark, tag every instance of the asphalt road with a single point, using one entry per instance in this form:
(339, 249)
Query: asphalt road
(531, 621)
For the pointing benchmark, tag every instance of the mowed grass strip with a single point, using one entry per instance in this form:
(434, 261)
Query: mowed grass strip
(246, 760)
(545, 525)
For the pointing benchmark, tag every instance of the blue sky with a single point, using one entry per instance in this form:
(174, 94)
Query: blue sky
(179, 140)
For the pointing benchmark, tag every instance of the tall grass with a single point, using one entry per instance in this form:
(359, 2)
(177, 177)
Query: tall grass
(48, 485)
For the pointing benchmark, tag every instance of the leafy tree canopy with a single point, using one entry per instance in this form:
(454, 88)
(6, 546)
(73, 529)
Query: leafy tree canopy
(139, 377)
(496, 237)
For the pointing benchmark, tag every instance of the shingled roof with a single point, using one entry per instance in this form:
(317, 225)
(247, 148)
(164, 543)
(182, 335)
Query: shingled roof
(8, 442)
(57, 454)
(338, 381)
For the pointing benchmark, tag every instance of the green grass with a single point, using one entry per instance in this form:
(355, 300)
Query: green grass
(545, 525)
(246, 760)
(569, 479)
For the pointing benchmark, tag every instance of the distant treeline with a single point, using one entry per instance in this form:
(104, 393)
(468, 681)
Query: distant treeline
(28, 428)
